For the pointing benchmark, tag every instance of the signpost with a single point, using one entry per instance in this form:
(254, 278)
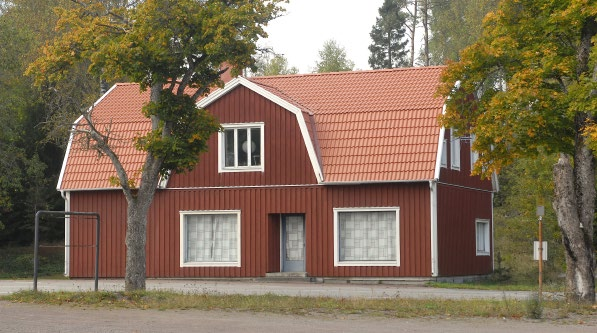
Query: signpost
(540, 213)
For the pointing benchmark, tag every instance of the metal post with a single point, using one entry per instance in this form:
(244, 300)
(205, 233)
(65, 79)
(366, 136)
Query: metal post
(540, 257)
(540, 213)
(36, 252)
(36, 242)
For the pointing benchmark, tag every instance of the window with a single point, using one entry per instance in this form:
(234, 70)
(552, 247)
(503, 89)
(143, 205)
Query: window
(366, 237)
(454, 151)
(210, 238)
(444, 157)
(482, 232)
(474, 154)
(241, 147)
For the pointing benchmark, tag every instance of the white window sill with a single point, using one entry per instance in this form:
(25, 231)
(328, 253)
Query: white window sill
(210, 264)
(367, 263)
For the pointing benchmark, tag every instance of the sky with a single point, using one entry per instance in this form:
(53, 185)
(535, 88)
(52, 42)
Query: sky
(299, 34)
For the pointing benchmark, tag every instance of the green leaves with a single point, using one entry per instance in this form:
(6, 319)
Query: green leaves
(520, 85)
(183, 133)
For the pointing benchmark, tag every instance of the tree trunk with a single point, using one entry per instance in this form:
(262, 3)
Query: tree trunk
(412, 39)
(138, 210)
(574, 203)
(136, 231)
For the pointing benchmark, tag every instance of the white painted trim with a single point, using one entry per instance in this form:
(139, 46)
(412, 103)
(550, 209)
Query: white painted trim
(317, 169)
(492, 237)
(486, 236)
(71, 137)
(67, 153)
(455, 151)
(221, 149)
(338, 263)
(184, 213)
(433, 230)
(66, 197)
(440, 149)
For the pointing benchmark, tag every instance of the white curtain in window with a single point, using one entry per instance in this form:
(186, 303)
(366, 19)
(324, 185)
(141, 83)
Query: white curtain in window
(367, 236)
(211, 238)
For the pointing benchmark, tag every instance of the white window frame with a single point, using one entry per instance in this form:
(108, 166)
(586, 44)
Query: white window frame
(454, 151)
(487, 248)
(183, 243)
(474, 154)
(444, 157)
(337, 261)
(222, 149)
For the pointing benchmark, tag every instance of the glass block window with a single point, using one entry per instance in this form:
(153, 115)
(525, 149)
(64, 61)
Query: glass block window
(366, 237)
(241, 147)
(210, 239)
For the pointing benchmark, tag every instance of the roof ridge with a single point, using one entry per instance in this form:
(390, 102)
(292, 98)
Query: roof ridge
(356, 72)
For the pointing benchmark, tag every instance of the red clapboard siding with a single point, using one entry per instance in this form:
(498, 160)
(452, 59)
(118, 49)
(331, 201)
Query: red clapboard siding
(457, 210)
(286, 158)
(260, 209)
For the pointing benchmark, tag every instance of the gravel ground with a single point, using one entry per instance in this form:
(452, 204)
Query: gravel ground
(44, 318)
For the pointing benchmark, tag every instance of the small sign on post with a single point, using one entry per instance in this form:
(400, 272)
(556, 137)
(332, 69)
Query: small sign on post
(536, 250)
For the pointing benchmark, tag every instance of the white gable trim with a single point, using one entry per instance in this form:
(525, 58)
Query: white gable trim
(71, 137)
(440, 148)
(230, 85)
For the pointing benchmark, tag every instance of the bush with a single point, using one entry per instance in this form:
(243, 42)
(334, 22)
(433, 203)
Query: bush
(18, 262)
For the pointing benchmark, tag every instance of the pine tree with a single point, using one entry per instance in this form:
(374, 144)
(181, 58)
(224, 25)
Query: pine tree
(388, 47)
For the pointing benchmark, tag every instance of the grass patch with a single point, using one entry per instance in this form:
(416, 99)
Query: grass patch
(394, 308)
(17, 262)
(502, 286)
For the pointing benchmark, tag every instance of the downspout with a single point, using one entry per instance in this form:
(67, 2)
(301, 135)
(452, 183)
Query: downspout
(66, 196)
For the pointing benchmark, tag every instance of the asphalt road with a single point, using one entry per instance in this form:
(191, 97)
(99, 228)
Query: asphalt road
(16, 317)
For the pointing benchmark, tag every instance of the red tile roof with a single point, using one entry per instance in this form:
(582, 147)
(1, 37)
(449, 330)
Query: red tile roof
(371, 126)
(120, 111)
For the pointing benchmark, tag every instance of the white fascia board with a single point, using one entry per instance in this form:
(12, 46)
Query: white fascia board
(72, 135)
(68, 148)
(275, 99)
(440, 148)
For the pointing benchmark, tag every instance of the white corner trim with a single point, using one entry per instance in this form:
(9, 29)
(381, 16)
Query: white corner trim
(434, 239)
(277, 100)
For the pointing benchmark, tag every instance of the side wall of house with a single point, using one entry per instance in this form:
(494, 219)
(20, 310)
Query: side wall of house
(458, 210)
(259, 207)
(462, 200)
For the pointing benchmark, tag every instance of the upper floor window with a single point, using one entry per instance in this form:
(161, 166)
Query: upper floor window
(454, 151)
(241, 147)
(474, 153)
(444, 157)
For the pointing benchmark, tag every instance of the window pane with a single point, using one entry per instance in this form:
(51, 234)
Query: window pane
(229, 147)
(243, 147)
(211, 238)
(481, 230)
(367, 236)
(255, 146)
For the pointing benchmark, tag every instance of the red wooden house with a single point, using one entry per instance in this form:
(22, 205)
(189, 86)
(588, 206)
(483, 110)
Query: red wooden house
(338, 175)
